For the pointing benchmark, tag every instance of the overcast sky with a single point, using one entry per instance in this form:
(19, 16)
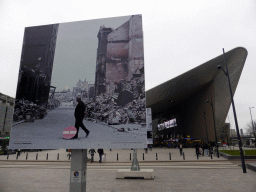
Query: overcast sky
(178, 36)
(76, 51)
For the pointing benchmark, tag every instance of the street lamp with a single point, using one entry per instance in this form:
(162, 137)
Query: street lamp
(234, 111)
(213, 115)
(252, 124)
(204, 116)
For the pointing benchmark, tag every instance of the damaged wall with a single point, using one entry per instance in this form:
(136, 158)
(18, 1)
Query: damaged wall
(124, 57)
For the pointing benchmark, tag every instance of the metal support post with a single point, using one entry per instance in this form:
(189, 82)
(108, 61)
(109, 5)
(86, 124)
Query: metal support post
(135, 163)
(234, 111)
(78, 170)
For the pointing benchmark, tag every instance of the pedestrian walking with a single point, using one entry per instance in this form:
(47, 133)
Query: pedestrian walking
(19, 152)
(92, 151)
(181, 149)
(101, 152)
(79, 115)
(197, 148)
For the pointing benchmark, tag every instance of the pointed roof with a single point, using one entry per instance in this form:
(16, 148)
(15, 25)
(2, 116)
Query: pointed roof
(185, 85)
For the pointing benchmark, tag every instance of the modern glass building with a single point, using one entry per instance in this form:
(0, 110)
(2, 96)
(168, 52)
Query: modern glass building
(184, 99)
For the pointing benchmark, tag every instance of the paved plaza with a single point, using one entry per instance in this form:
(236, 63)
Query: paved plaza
(191, 174)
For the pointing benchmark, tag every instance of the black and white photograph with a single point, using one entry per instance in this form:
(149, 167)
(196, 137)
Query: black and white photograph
(81, 85)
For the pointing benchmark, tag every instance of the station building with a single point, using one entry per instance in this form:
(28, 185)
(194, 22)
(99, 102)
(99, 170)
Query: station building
(184, 99)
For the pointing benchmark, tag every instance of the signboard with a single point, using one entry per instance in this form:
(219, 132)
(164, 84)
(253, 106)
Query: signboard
(86, 74)
(167, 124)
(75, 176)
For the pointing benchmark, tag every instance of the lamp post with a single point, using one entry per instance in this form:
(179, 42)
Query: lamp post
(234, 111)
(252, 124)
(213, 115)
(204, 116)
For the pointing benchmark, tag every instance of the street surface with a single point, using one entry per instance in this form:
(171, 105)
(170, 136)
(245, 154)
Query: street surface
(47, 133)
(192, 174)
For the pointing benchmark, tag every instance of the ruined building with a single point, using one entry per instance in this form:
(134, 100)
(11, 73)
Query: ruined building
(120, 59)
(36, 63)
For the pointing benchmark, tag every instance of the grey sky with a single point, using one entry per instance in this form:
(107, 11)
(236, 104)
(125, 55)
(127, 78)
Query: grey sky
(178, 36)
(76, 50)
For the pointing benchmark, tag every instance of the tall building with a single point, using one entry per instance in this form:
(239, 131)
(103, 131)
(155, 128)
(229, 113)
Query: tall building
(120, 58)
(185, 98)
(100, 73)
(36, 63)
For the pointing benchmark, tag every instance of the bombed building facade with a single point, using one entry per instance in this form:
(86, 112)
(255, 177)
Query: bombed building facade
(120, 60)
(119, 76)
(36, 63)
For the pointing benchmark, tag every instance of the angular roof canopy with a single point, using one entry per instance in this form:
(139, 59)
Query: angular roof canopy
(183, 86)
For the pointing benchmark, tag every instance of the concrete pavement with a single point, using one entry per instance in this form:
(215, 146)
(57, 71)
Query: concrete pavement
(191, 174)
(169, 176)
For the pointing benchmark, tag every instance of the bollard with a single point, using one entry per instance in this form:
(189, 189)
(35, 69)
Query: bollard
(197, 155)
(36, 156)
(58, 156)
(183, 156)
(170, 156)
(130, 156)
(47, 156)
(27, 156)
(156, 157)
(7, 156)
(211, 154)
(143, 156)
(117, 156)
(17, 156)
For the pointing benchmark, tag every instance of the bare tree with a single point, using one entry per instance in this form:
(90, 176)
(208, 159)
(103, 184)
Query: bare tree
(249, 128)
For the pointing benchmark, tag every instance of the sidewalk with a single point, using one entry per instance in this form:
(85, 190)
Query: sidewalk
(119, 155)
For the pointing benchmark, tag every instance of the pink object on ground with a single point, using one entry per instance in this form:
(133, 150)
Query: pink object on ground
(69, 132)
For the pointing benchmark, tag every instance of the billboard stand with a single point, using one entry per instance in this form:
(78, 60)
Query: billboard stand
(135, 172)
(78, 170)
(135, 164)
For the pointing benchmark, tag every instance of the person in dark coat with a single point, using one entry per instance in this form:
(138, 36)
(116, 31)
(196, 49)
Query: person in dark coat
(197, 146)
(92, 151)
(79, 115)
(101, 152)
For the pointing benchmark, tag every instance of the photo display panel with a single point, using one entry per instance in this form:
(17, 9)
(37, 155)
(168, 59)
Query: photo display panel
(81, 85)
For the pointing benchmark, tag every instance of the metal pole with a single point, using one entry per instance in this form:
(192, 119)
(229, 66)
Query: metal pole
(252, 125)
(204, 116)
(216, 140)
(234, 111)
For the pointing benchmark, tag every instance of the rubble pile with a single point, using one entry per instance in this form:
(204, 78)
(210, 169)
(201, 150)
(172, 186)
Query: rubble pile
(125, 106)
(27, 110)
